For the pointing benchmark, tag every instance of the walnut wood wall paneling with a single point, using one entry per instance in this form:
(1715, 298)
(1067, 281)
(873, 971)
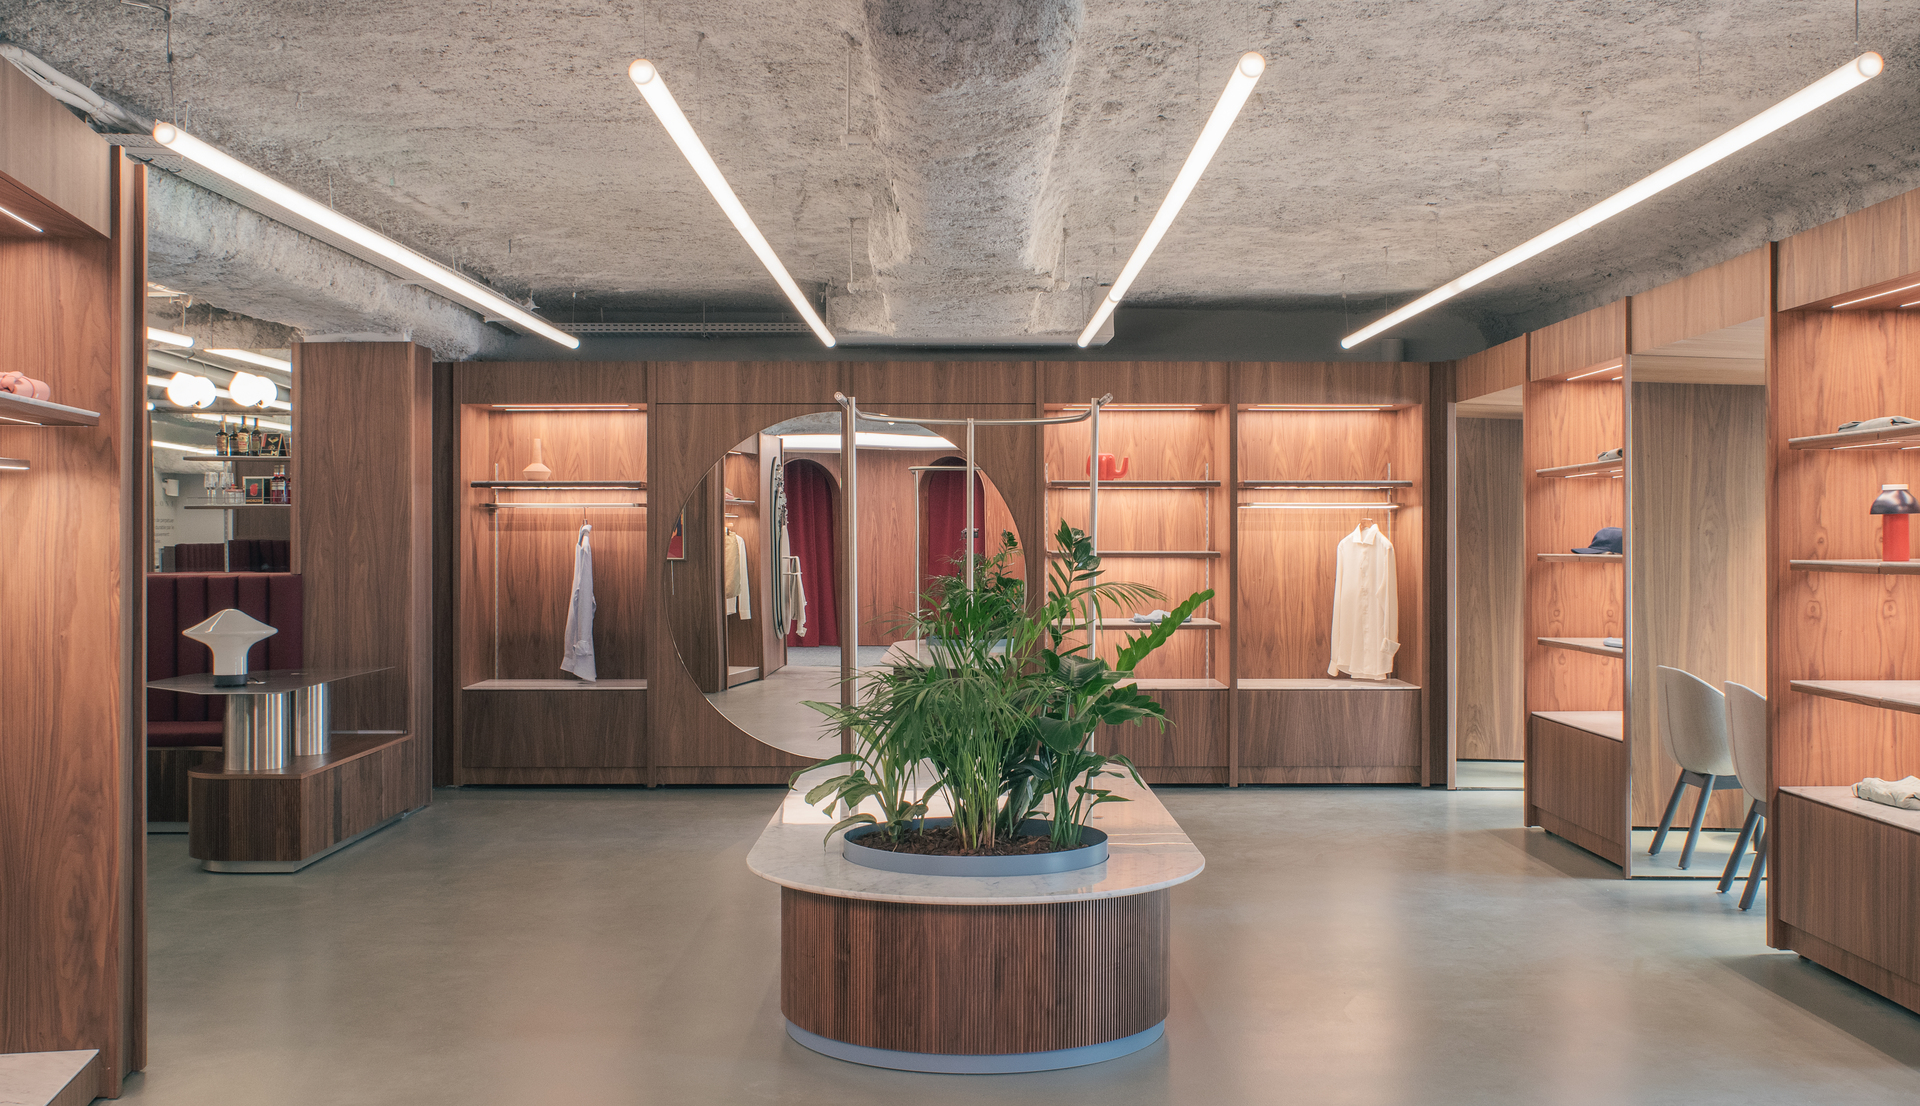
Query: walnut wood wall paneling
(745, 642)
(1493, 370)
(1698, 489)
(1712, 299)
(1847, 895)
(1145, 382)
(1576, 787)
(54, 171)
(598, 727)
(72, 711)
(691, 595)
(1490, 584)
(1191, 748)
(1330, 382)
(1585, 341)
(1041, 977)
(451, 512)
(363, 533)
(1436, 661)
(291, 815)
(555, 382)
(1872, 249)
(167, 779)
(1359, 735)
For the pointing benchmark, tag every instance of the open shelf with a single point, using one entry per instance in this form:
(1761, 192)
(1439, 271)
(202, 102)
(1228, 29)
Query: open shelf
(1900, 695)
(1583, 645)
(1877, 568)
(1891, 438)
(38, 412)
(1130, 624)
(14, 464)
(276, 457)
(559, 506)
(1177, 685)
(1326, 683)
(561, 485)
(1147, 553)
(1589, 468)
(1569, 558)
(1326, 484)
(1607, 723)
(1146, 485)
(237, 506)
(557, 685)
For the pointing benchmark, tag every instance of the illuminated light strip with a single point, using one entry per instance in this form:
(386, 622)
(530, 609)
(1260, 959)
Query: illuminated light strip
(1246, 73)
(646, 77)
(11, 214)
(158, 444)
(169, 338)
(1828, 88)
(1877, 295)
(253, 180)
(253, 358)
(566, 407)
(1319, 407)
(1598, 371)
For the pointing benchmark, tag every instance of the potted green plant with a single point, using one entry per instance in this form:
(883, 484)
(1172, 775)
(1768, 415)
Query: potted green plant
(999, 720)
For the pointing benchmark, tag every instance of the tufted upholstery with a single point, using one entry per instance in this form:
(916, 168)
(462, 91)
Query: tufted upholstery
(177, 600)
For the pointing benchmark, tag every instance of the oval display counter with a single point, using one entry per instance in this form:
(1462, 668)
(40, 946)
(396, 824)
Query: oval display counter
(976, 974)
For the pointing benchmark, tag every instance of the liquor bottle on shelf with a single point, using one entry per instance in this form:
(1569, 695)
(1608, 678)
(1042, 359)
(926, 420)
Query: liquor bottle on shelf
(280, 491)
(221, 442)
(242, 441)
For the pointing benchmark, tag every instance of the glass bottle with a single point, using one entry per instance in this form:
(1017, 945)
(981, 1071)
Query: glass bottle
(220, 440)
(280, 491)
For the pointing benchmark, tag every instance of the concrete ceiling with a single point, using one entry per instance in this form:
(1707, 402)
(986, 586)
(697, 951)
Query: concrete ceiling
(957, 168)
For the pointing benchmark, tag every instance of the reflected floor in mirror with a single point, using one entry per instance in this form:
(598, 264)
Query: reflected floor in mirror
(773, 709)
(1353, 945)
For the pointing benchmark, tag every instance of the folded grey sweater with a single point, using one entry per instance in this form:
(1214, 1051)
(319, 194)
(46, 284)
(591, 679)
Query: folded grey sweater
(1904, 794)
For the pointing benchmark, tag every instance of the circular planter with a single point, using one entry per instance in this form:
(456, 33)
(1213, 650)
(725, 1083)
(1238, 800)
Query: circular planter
(1092, 852)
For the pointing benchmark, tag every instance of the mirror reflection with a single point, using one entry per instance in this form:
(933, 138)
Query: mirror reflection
(759, 574)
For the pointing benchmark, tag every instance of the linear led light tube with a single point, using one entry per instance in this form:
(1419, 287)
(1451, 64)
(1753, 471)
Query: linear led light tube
(1246, 73)
(9, 213)
(253, 358)
(1878, 295)
(646, 77)
(566, 407)
(158, 444)
(169, 338)
(1602, 369)
(1320, 407)
(246, 176)
(1828, 88)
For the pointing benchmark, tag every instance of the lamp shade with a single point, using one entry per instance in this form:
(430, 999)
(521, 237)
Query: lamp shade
(230, 634)
(1895, 499)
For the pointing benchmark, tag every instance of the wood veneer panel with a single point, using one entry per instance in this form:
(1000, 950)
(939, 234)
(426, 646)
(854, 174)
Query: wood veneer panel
(54, 170)
(1492, 370)
(744, 638)
(1362, 728)
(367, 780)
(532, 382)
(692, 596)
(1330, 382)
(72, 710)
(974, 980)
(1878, 245)
(1490, 583)
(1193, 743)
(1576, 787)
(1135, 381)
(1852, 883)
(1582, 342)
(1712, 299)
(1699, 564)
(563, 728)
(167, 780)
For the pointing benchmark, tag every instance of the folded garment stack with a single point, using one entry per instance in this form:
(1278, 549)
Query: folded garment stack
(1904, 794)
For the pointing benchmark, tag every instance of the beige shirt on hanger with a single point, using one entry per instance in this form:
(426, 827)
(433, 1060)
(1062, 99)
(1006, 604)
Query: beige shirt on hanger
(1366, 606)
(734, 573)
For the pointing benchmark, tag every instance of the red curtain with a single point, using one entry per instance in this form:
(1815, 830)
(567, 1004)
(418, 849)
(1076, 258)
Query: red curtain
(810, 495)
(944, 521)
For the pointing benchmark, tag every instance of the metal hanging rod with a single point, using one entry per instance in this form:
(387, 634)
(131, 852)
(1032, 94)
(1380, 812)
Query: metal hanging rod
(1319, 506)
(853, 408)
(564, 506)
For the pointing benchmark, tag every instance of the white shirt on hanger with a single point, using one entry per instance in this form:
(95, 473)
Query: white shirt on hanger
(577, 657)
(738, 584)
(794, 596)
(1366, 606)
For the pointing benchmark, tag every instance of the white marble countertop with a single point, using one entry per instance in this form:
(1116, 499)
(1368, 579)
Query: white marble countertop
(1146, 851)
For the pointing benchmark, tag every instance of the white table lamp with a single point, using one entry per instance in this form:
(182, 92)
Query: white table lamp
(230, 634)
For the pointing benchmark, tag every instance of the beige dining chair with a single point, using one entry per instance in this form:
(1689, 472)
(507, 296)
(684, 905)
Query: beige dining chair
(1693, 717)
(1747, 734)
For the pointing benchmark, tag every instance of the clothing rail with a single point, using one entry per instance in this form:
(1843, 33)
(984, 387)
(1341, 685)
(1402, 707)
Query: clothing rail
(1319, 506)
(561, 506)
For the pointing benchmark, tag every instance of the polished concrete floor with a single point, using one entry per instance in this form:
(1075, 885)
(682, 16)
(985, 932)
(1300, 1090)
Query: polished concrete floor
(1345, 945)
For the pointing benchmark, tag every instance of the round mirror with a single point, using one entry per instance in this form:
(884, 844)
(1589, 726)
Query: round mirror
(757, 569)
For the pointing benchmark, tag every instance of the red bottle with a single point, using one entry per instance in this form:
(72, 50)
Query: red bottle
(1894, 504)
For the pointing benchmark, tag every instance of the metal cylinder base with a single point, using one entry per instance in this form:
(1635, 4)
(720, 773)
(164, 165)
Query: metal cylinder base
(312, 721)
(258, 732)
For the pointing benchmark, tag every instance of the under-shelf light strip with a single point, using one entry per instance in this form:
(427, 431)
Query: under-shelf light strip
(1880, 295)
(1617, 366)
(253, 358)
(434, 273)
(1246, 73)
(169, 338)
(158, 444)
(646, 77)
(1825, 90)
(15, 216)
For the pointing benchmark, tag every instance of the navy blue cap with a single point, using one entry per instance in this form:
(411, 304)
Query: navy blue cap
(1609, 539)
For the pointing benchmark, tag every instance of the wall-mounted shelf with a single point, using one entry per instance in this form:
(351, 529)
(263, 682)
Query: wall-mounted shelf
(1590, 468)
(1147, 553)
(1130, 624)
(560, 506)
(38, 412)
(1137, 485)
(1319, 506)
(1326, 683)
(557, 685)
(1326, 484)
(14, 464)
(561, 485)
(740, 502)
(1900, 695)
(1569, 558)
(237, 506)
(1877, 568)
(282, 457)
(1583, 645)
(1892, 437)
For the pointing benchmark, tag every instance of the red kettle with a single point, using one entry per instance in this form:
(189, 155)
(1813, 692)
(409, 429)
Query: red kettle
(1109, 470)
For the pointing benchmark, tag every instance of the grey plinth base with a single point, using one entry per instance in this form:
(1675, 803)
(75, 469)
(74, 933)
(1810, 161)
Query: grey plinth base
(281, 867)
(997, 1064)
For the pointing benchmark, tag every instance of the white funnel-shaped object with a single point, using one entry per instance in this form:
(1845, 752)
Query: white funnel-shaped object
(230, 634)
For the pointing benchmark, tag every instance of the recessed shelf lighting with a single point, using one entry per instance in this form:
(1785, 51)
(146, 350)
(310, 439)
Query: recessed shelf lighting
(168, 338)
(1615, 367)
(252, 358)
(15, 216)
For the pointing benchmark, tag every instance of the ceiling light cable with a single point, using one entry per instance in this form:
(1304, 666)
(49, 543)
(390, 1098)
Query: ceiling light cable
(1246, 73)
(428, 270)
(646, 77)
(1823, 91)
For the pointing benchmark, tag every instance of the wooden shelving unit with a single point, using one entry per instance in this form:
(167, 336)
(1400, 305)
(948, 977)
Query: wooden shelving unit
(1871, 568)
(1136, 485)
(21, 411)
(561, 485)
(1887, 438)
(1596, 646)
(1589, 468)
(1574, 558)
(1900, 695)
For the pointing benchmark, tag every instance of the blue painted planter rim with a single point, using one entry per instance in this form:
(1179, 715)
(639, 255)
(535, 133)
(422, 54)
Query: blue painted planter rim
(1091, 853)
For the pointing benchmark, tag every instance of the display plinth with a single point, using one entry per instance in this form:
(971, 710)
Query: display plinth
(976, 974)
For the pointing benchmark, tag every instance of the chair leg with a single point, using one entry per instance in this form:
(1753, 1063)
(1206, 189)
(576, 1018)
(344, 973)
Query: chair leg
(1666, 820)
(1759, 866)
(1699, 819)
(1739, 849)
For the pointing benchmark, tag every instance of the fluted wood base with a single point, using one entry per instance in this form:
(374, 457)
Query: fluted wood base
(973, 980)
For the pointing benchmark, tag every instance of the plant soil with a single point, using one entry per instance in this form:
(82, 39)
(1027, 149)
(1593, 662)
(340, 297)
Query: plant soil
(946, 841)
